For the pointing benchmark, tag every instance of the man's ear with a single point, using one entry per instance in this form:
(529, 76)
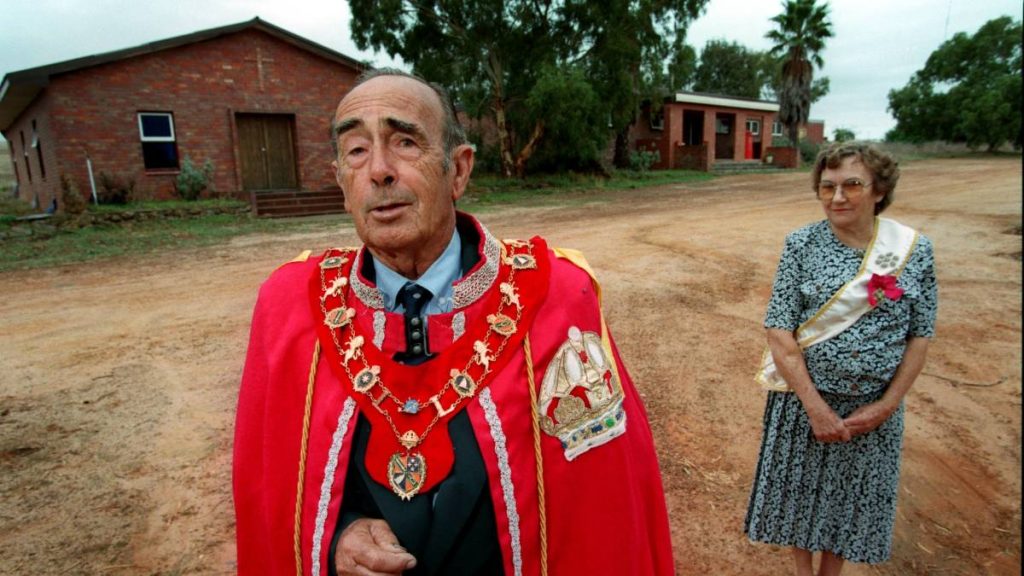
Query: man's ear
(463, 158)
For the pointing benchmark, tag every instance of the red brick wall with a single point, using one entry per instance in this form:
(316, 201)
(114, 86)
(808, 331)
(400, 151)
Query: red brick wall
(93, 111)
(672, 135)
(691, 157)
(40, 188)
(815, 132)
(784, 156)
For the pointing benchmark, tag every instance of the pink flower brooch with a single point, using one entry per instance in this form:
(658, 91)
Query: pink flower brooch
(883, 287)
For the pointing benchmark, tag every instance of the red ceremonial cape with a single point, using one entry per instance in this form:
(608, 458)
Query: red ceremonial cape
(575, 487)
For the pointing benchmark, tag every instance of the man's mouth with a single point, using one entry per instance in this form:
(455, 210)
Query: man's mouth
(389, 210)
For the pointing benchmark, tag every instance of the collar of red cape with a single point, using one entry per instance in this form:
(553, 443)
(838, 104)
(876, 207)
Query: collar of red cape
(423, 381)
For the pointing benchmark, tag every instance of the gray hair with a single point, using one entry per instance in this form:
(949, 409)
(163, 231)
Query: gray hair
(885, 170)
(453, 136)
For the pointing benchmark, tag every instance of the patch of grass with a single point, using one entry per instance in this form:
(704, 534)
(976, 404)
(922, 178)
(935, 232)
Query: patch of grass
(490, 190)
(101, 242)
(11, 208)
(153, 236)
(167, 205)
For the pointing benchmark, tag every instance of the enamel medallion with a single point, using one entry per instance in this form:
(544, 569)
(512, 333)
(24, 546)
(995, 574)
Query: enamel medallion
(406, 473)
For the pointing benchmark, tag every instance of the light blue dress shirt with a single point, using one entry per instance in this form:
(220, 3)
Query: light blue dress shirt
(438, 279)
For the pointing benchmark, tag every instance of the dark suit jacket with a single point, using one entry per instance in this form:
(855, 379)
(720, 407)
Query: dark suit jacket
(451, 529)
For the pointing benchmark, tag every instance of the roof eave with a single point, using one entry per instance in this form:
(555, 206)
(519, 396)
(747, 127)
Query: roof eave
(725, 101)
(16, 94)
(21, 87)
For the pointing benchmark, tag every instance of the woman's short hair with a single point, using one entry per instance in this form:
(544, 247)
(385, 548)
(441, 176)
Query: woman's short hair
(885, 170)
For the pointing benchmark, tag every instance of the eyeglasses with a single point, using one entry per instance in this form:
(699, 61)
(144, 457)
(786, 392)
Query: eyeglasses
(852, 188)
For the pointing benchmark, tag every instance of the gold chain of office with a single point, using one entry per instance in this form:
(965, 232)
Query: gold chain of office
(407, 469)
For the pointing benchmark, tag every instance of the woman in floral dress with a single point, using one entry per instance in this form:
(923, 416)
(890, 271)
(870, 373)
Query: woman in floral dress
(848, 326)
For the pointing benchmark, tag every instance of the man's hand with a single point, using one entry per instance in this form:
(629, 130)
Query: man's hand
(368, 547)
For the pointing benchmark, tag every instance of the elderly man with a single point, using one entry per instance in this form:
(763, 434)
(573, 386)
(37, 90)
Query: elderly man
(437, 401)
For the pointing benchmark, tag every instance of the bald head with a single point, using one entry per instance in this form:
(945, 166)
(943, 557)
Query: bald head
(426, 93)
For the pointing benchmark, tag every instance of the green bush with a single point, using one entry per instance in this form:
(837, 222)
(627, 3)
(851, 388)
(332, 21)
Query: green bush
(808, 151)
(642, 160)
(70, 197)
(843, 135)
(115, 189)
(488, 158)
(11, 208)
(192, 180)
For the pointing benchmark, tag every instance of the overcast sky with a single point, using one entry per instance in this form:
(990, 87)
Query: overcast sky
(878, 44)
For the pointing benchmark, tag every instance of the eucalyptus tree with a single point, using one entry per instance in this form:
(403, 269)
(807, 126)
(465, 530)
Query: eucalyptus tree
(632, 51)
(968, 91)
(493, 53)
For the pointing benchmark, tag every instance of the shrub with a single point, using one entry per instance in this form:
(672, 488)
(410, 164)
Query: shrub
(115, 189)
(843, 135)
(11, 208)
(808, 151)
(193, 180)
(70, 197)
(642, 160)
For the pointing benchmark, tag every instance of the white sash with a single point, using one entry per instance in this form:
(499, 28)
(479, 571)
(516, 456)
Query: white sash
(887, 254)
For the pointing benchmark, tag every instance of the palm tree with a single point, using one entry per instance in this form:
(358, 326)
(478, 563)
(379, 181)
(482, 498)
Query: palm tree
(799, 38)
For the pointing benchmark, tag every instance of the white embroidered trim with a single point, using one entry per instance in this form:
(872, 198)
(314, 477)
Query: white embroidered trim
(464, 293)
(507, 489)
(379, 318)
(472, 287)
(369, 295)
(458, 326)
(328, 481)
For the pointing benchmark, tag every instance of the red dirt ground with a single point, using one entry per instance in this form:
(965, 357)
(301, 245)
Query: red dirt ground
(118, 379)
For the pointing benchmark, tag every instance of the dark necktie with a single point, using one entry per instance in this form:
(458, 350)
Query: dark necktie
(414, 298)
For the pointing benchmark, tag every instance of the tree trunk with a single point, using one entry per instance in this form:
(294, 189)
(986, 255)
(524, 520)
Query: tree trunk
(494, 71)
(794, 139)
(621, 157)
(529, 149)
(504, 138)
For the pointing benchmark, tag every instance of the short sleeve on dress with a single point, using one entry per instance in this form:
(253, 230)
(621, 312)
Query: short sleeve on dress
(784, 306)
(924, 308)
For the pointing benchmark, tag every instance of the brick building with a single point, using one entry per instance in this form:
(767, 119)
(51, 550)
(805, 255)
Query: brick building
(697, 131)
(252, 98)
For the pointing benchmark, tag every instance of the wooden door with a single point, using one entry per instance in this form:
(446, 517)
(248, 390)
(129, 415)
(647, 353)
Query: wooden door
(266, 150)
(724, 136)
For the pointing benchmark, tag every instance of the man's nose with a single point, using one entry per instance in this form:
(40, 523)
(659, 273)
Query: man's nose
(382, 167)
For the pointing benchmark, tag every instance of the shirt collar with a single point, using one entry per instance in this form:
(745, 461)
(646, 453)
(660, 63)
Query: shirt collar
(438, 279)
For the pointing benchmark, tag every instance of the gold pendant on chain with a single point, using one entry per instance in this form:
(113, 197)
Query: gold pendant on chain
(406, 474)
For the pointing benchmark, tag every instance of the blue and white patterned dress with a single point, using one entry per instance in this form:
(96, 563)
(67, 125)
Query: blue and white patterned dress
(838, 497)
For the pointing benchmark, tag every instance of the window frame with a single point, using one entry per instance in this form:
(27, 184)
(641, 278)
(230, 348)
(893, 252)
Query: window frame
(781, 129)
(170, 122)
(172, 139)
(39, 151)
(24, 154)
(14, 162)
(756, 126)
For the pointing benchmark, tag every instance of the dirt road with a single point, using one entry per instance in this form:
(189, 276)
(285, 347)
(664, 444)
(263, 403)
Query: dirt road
(118, 379)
